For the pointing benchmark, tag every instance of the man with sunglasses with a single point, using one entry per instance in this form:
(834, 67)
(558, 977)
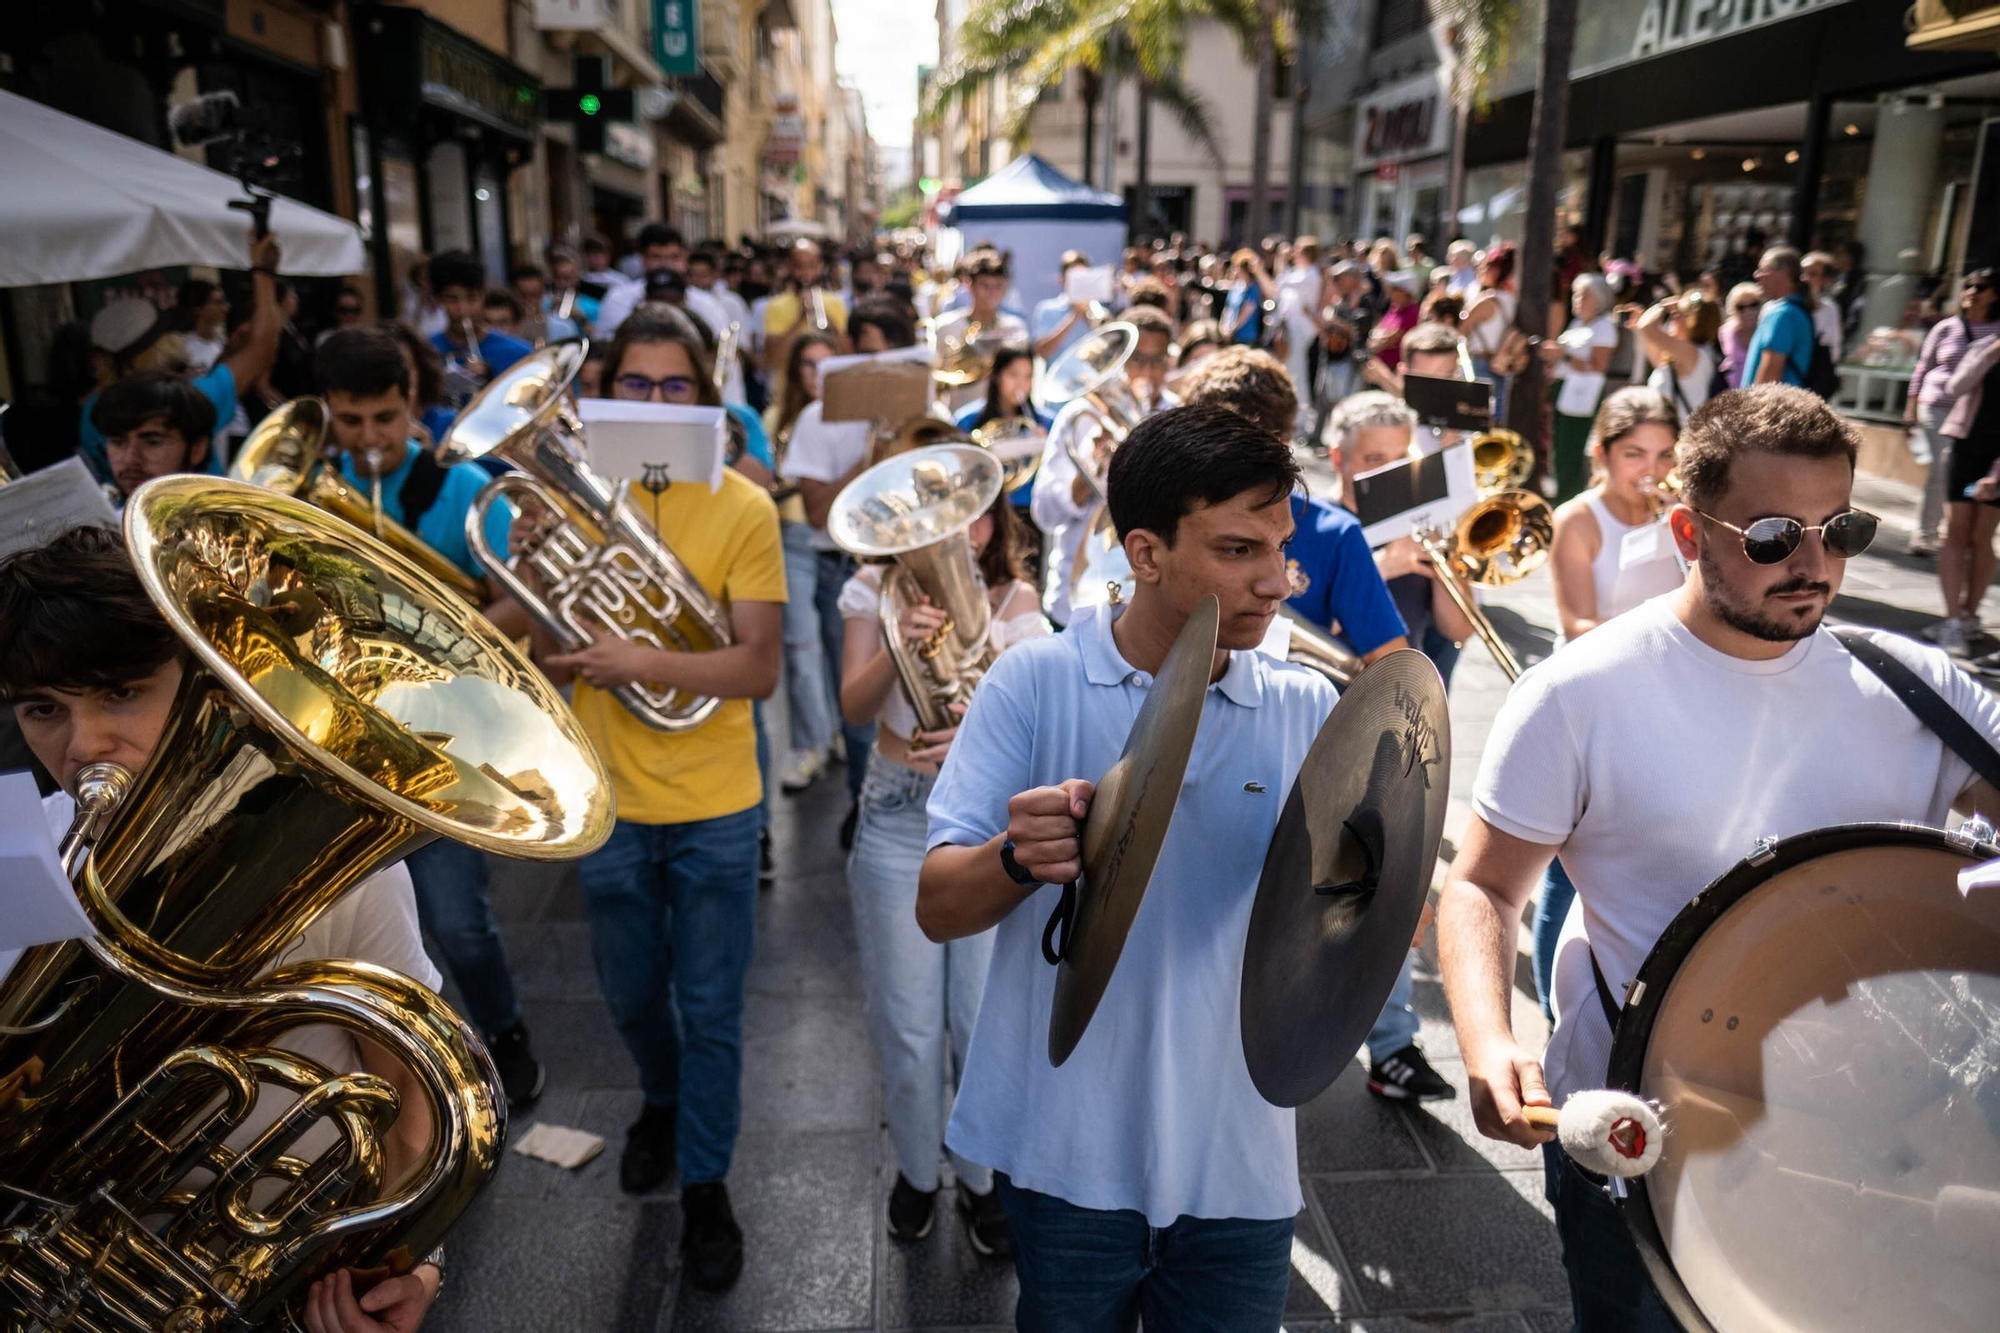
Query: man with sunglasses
(1064, 505)
(1653, 753)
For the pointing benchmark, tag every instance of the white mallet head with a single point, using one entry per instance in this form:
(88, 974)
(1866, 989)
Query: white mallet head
(1612, 1133)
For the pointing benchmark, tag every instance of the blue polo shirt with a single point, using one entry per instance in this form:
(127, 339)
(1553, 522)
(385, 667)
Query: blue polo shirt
(1155, 1110)
(497, 350)
(442, 526)
(1785, 326)
(1340, 590)
(756, 441)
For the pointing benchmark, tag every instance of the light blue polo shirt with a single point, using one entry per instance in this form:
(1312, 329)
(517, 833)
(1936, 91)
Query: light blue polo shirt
(1154, 1111)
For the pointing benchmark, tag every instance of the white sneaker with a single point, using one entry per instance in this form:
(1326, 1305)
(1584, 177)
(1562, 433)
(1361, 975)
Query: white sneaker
(1952, 634)
(801, 769)
(1923, 544)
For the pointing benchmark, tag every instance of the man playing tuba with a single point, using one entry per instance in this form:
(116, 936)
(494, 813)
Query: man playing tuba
(92, 670)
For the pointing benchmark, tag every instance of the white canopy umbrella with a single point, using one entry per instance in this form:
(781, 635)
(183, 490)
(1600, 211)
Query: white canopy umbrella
(806, 227)
(84, 202)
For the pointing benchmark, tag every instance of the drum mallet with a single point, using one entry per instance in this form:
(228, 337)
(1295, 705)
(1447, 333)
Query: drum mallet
(1612, 1133)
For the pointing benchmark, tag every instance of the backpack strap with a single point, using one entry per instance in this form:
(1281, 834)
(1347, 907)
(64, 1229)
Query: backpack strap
(1944, 721)
(421, 487)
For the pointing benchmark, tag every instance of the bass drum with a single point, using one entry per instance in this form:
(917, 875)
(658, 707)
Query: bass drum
(1821, 1028)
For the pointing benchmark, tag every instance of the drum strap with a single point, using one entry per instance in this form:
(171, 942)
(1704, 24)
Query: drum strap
(1959, 736)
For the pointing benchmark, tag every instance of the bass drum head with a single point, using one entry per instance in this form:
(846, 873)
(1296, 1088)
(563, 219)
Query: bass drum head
(1821, 1028)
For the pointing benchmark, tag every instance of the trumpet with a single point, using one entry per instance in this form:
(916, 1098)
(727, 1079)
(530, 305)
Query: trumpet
(1500, 540)
(600, 568)
(1017, 442)
(817, 301)
(1661, 493)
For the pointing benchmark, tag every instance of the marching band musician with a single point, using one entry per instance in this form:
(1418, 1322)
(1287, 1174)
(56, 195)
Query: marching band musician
(154, 423)
(371, 414)
(1064, 505)
(1727, 687)
(1145, 1178)
(671, 894)
(91, 670)
(983, 322)
(923, 997)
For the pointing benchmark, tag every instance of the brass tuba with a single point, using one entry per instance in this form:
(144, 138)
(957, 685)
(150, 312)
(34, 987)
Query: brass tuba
(601, 568)
(341, 709)
(916, 508)
(287, 453)
(1502, 539)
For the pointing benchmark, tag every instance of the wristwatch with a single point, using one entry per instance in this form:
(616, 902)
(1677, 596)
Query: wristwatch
(1017, 872)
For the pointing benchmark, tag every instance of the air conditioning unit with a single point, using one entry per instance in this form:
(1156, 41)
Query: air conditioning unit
(1954, 25)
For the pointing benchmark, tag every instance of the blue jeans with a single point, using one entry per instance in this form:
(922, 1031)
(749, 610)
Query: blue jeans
(1082, 1269)
(1609, 1291)
(1482, 369)
(1550, 909)
(763, 765)
(808, 691)
(671, 916)
(923, 998)
(456, 912)
(1397, 1027)
(835, 568)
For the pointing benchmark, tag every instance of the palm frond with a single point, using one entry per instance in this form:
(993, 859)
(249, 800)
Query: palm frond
(1191, 110)
(1486, 32)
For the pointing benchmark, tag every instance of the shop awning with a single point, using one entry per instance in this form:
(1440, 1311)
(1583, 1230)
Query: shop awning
(84, 202)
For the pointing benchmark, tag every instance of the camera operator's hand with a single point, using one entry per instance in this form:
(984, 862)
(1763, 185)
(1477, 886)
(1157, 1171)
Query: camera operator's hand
(265, 252)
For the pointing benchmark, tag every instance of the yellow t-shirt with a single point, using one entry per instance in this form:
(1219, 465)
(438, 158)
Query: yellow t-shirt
(729, 542)
(778, 317)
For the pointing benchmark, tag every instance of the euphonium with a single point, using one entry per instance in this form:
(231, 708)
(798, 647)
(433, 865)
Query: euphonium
(1091, 372)
(963, 354)
(1502, 539)
(1017, 442)
(340, 709)
(601, 568)
(916, 508)
(287, 453)
(922, 431)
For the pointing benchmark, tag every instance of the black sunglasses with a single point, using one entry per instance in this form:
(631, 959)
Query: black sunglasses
(1771, 541)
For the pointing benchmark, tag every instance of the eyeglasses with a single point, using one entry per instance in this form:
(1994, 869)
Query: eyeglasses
(1771, 541)
(672, 389)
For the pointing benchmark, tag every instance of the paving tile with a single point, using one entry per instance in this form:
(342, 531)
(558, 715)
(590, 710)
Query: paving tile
(1445, 1242)
(551, 960)
(1556, 1319)
(1320, 1287)
(577, 1265)
(575, 1040)
(1347, 1128)
(805, 1203)
(807, 1065)
(1454, 1143)
(523, 1177)
(940, 1281)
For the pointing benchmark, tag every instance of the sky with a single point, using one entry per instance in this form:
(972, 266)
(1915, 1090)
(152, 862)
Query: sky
(881, 43)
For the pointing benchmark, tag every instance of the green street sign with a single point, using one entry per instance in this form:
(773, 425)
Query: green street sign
(674, 36)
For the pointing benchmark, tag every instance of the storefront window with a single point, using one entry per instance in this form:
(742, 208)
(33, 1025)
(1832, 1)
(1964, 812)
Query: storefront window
(1494, 206)
(450, 197)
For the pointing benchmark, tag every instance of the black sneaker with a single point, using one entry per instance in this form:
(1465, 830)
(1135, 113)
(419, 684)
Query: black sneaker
(985, 1222)
(766, 867)
(911, 1211)
(1407, 1077)
(649, 1151)
(521, 1074)
(847, 827)
(711, 1242)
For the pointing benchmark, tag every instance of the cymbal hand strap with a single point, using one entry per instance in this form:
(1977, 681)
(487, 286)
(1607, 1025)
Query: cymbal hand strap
(1055, 935)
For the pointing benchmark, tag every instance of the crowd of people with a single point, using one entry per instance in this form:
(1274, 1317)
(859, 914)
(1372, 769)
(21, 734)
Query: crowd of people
(1237, 360)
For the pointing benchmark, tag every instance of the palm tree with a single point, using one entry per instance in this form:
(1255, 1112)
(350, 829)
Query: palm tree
(1270, 32)
(1487, 28)
(1034, 43)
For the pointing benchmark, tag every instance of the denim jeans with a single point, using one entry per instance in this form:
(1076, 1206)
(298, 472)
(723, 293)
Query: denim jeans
(763, 765)
(922, 997)
(671, 916)
(1397, 1027)
(1609, 1291)
(1550, 910)
(808, 691)
(835, 568)
(456, 912)
(1482, 369)
(1082, 1270)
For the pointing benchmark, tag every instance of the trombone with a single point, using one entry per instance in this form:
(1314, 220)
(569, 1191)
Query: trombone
(1502, 539)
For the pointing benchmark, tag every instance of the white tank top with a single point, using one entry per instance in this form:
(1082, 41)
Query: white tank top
(861, 597)
(1621, 586)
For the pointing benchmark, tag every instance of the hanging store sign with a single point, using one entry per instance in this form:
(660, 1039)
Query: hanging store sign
(1403, 122)
(674, 36)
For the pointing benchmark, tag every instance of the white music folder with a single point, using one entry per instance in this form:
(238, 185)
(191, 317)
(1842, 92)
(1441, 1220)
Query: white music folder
(44, 504)
(655, 444)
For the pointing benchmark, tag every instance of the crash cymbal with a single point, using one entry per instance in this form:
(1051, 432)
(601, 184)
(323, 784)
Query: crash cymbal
(1126, 826)
(1345, 879)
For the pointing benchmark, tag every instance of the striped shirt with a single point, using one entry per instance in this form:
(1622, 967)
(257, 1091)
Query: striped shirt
(1943, 348)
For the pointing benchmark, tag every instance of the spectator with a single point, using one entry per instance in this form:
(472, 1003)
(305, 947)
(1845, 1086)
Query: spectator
(348, 311)
(1402, 315)
(1818, 273)
(1781, 351)
(1746, 300)
(1579, 358)
(1930, 402)
(1243, 310)
(1972, 489)
(153, 423)
(1678, 335)
(1488, 315)
(1461, 271)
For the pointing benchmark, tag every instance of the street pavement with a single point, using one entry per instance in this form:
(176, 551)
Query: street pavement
(1412, 1220)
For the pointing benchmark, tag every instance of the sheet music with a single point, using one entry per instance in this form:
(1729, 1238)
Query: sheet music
(41, 905)
(44, 504)
(649, 443)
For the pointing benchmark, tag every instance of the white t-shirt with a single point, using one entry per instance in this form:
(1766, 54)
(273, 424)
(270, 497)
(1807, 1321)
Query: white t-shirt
(861, 599)
(1582, 388)
(1656, 762)
(1299, 299)
(1826, 325)
(824, 451)
(374, 922)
